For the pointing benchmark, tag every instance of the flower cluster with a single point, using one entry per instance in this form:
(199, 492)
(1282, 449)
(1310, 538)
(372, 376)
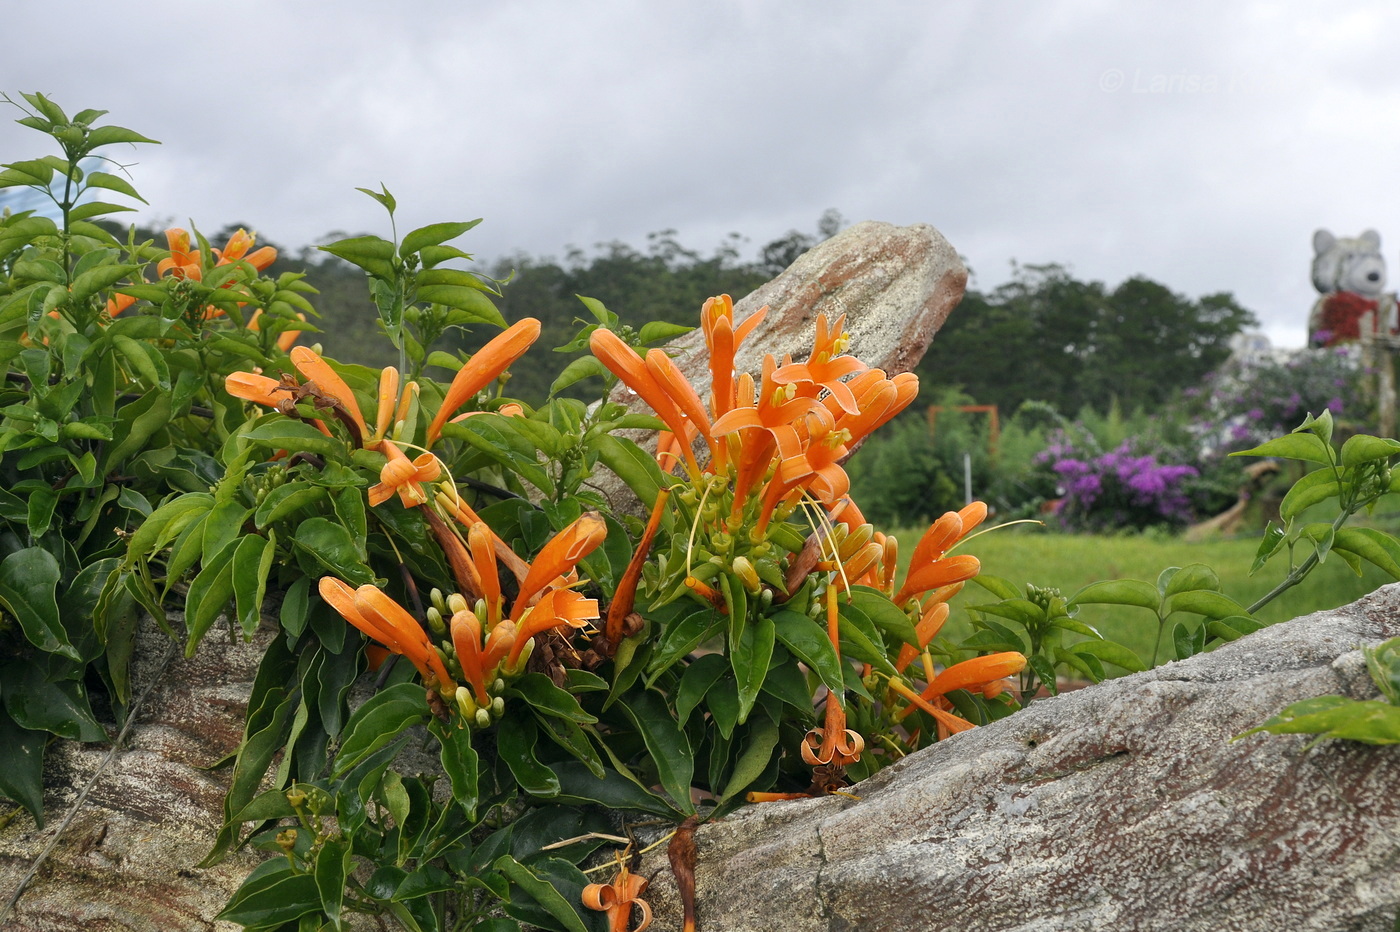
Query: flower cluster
(1119, 490)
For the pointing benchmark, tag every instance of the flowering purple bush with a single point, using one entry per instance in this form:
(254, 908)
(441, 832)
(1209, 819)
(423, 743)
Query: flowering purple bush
(1119, 490)
(1249, 401)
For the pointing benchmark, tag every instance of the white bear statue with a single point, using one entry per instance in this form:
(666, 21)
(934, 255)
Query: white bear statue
(1350, 274)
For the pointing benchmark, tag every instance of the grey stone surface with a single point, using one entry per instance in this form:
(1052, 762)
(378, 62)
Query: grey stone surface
(1121, 806)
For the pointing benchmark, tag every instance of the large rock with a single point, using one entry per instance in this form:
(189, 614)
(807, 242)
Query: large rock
(1123, 806)
(895, 285)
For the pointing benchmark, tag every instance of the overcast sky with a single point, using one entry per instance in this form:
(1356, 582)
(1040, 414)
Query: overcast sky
(1198, 143)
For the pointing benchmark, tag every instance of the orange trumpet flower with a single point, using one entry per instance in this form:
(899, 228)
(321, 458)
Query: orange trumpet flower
(389, 623)
(404, 476)
(483, 369)
(617, 899)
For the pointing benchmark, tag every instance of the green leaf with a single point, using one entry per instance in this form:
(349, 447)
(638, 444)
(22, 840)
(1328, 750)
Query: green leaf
(333, 865)
(997, 586)
(459, 762)
(1305, 446)
(107, 135)
(634, 466)
(379, 721)
(273, 894)
(1375, 546)
(1203, 602)
(209, 593)
(1370, 722)
(660, 331)
(1317, 486)
(665, 742)
(1188, 641)
(1118, 592)
(683, 636)
(515, 744)
(1363, 448)
(113, 183)
(39, 704)
(286, 500)
(464, 298)
(884, 613)
(1110, 652)
(1193, 576)
(578, 785)
(22, 766)
(432, 235)
(28, 581)
(1271, 543)
(696, 681)
(540, 692)
(576, 371)
(328, 547)
(371, 253)
(252, 561)
(749, 658)
(861, 640)
(754, 758)
(42, 502)
(809, 643)
(281, 433)
(95, 209)
(542, 891)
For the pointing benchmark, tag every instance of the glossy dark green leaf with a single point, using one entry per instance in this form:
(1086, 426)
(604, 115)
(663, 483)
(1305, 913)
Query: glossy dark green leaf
(459, 762)
(379, 721)
(753, 759)
(252, 561)
(809, 643)
(333, 865)
(328, 547)
(542, 890)
(283, 433)
(683, 636)
(28, 582)
(699, 676)
(36, 703)
(861, 639)
(884, 613)
(578, 785)
(749, 659)
(287, 500)
(22, 766)
(665, 742)
(272, 894)
(209, 594)
(516, 746)
(543, 696)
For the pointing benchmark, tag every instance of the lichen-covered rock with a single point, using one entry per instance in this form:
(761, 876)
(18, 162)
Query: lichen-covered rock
(895, 286)
(1123, 806)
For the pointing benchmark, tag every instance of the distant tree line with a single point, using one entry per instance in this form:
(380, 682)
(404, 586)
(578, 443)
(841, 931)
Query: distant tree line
(1044, 335)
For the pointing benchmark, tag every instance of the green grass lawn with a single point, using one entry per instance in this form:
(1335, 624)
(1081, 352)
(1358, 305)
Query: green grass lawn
(1071, 561)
